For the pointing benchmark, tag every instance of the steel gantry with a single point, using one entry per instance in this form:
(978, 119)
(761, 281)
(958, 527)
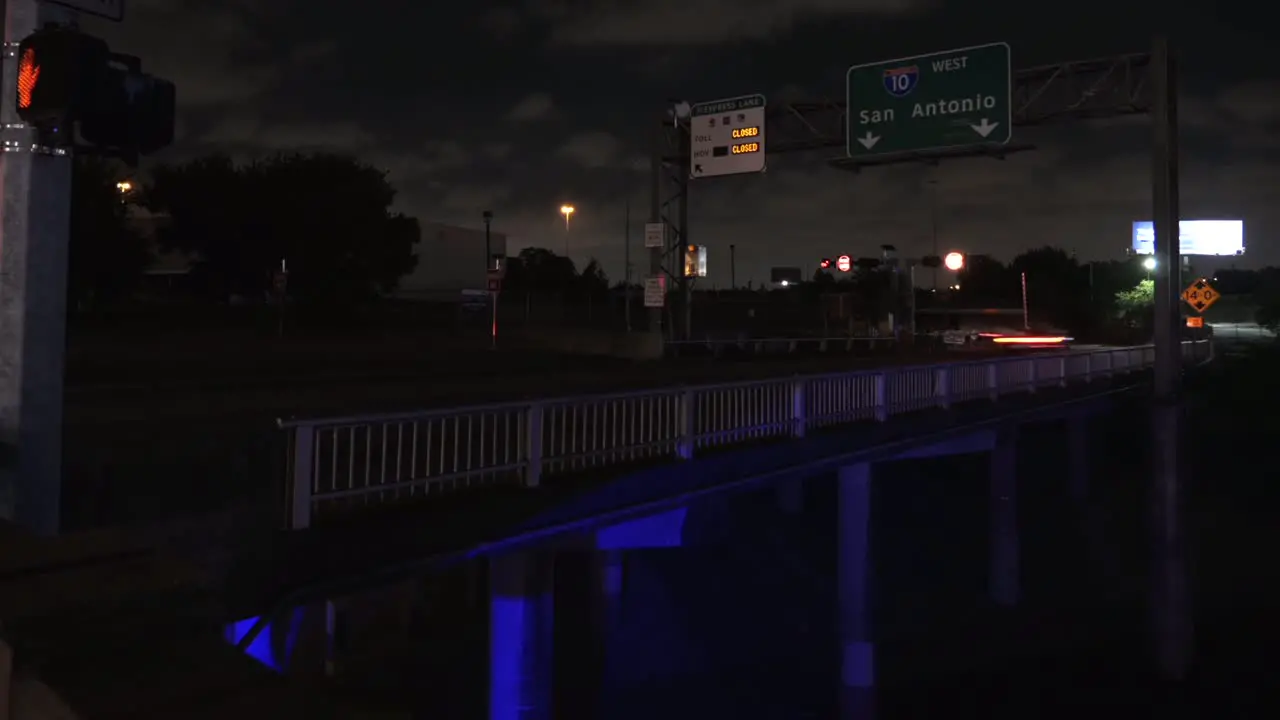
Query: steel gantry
(1068, 91)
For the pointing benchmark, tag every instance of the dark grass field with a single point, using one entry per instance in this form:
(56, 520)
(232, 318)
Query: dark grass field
(162, 429)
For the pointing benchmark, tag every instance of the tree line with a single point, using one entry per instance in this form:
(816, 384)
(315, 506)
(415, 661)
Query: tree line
(328, 217)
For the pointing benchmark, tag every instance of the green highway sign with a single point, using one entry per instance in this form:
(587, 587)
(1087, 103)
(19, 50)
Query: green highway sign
(930, 102)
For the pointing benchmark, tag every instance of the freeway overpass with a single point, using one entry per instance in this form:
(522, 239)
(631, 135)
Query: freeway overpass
(372, 499)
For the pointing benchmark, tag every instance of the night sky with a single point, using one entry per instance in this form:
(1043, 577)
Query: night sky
(519, 106)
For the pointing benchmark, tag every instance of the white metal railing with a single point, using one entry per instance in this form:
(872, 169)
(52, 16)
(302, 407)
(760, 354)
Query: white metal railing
(376, 459)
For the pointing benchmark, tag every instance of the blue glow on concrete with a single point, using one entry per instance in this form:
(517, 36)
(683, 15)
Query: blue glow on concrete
(519, 657)
(663, 530)
(264, 646)
(260, 648)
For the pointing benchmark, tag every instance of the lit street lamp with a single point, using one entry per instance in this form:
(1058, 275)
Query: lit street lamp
(954, 261)
(566, 211)
(124, 186)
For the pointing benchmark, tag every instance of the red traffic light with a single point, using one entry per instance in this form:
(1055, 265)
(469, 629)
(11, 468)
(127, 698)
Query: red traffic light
(844, 263)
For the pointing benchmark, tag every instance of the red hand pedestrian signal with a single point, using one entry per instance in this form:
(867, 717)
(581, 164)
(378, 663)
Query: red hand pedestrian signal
(28, 76)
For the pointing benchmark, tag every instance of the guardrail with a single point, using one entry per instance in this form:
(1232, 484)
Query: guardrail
(378, 459)
(781, 345)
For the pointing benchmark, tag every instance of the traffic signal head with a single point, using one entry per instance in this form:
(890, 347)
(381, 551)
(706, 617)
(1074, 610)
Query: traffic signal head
(66, 77)
(57, 69)
(132, 111)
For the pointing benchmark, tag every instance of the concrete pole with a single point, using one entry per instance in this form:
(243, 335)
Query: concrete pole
(853, 599)
(34, 236)
(1004, 552)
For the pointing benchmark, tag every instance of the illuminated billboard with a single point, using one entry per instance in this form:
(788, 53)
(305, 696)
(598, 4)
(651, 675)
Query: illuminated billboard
(695, 261)
(1196, 237)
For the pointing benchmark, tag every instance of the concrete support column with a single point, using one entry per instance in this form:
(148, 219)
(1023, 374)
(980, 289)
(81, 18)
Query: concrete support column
(521, 617)
(790, 497)
(608, 613)
(1004, 553)
(1078, 461)
(853, 575)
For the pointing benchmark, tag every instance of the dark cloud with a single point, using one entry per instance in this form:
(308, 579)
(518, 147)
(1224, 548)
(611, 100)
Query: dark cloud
(538, 106)
(518, 106)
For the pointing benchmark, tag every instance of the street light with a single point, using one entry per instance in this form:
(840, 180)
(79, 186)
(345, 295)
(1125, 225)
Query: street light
(566, 211)
(954, 261)
(1149, 263)
(124, 186)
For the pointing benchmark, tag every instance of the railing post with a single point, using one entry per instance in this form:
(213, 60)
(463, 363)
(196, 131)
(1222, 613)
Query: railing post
(686, 407)
(1088, 366)
(799, 410)
(304, 465)
(882, 395)
(1062, 371)
(993, 380)
(942, 386)
(1033, 374)
(533, 445)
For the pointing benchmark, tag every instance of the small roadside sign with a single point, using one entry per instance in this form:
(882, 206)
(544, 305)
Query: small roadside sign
(655, 292)
(655, 235)
(1200, 295)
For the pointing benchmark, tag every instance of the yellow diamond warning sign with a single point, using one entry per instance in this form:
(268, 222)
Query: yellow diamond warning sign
(1200, 295)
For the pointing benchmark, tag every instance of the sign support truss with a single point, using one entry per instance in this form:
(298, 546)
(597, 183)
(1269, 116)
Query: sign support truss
(669, 205)
(1107, 87)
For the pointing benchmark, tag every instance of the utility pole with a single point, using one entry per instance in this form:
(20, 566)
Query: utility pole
(626, 264)
(34, 237)
(1170, 596)
(733, 267)
(488, 240)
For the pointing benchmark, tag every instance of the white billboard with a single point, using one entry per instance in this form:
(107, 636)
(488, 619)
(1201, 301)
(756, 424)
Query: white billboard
(1196, 237)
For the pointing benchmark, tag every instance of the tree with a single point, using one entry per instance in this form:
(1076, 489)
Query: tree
(1137, 303)
(107, 256)
(593, 280)
(986, 282)
(328, 216)
(1057, 289)
(540, 271)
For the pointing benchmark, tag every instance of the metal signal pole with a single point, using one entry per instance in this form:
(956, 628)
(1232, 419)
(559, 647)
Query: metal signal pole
(35, 182)
(1170, 596)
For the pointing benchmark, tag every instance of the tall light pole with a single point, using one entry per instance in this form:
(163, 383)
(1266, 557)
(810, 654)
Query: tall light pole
(567, 211)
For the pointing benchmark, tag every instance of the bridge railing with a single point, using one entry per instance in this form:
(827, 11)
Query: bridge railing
(378, 459)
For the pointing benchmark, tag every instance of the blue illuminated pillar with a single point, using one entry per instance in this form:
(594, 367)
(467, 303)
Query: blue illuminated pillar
(1003, 569)
(609, 611)
(521, 615)
(853, 575)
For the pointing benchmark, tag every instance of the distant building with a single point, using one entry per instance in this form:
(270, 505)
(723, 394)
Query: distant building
(451, 261)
